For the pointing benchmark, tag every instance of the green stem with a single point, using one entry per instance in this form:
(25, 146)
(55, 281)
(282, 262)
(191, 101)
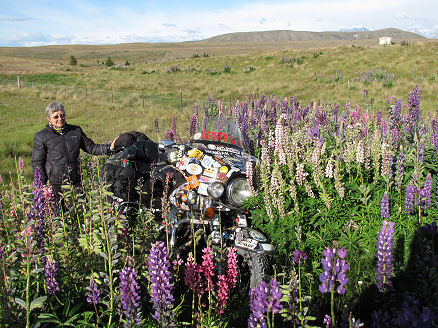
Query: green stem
(332, 306)
(108, 248)
(27, 291)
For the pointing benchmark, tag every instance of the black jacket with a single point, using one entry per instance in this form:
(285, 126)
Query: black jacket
(57, 154)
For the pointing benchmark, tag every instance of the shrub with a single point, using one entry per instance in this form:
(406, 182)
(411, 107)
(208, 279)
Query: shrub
(73, 61)
(109, 62)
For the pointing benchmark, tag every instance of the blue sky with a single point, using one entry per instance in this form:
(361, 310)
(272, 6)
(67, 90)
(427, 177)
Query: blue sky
(38, 22)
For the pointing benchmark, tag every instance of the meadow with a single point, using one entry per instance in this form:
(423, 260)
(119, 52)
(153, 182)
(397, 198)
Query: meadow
(347, 138)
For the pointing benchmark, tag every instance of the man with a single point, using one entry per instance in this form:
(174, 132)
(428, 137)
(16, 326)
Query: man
(57, 148)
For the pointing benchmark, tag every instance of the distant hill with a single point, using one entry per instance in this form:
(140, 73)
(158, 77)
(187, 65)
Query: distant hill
(286, 35)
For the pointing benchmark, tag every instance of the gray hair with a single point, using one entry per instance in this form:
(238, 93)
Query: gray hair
(54, 107)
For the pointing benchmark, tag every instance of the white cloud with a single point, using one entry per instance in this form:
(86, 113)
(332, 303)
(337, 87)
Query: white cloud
(79, 22)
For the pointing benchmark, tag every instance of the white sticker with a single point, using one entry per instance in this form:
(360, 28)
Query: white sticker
(211, 172)
(182, 163)
(194, 169)
(202, 189)
(207, 161)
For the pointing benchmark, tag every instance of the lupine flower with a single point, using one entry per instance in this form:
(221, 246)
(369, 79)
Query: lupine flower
(425, 193)
(335, 267)
(250, 166)
(50, 270)
(384, 206)
(421, 153)
(20, 165)
(194, 121)
(273, 303)
(177, 262)
(299, 256)
(414, 104)
(329, 169)
(411, 190)
(412, 314)
(161, 283)
(384, 255)
(129, 301)
(400, 170)
(301, 175)
(207, 266)
(228, 281)
(327, 321)
(387, 160)
(264, 299)
(93, 295)
(258, 298)
(192, 276)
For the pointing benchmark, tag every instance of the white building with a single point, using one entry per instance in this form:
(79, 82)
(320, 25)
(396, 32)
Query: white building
(385, 40)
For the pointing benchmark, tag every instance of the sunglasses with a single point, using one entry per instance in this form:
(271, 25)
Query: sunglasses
(58, 116)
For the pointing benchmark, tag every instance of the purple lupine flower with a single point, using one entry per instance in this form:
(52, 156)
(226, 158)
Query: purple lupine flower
(414, 104)
(335, 266)
(429, 229)
(435, 139)
(299, 255)
(384, 255)
(264, 299)
(425, 193)
(395, 137)
(50, 270)
(273, 303)
(194, 121)
(161, 283)
(257, 307)
(327, 321)
(400, 170)
(365, 93)
(421, 152)
(129, 302)
(411, 191)
(170, 135)
(412, 314)
(93, 295)
(384, 206)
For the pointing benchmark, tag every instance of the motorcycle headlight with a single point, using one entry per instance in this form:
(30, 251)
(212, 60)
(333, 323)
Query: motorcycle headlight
(216, 189)
(238, 191)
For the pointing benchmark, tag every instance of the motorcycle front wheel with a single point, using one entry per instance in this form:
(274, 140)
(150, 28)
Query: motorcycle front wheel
(253, 267)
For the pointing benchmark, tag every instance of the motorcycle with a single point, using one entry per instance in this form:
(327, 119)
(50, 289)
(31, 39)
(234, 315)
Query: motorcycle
(205, 186)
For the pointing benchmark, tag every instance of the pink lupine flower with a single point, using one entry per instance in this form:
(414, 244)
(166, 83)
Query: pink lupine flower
(192, 277)
(207, 265)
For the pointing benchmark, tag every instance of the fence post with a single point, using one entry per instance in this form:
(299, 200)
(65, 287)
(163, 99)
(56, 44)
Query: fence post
(18, 81)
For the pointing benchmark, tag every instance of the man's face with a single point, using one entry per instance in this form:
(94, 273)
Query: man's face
(57, 119)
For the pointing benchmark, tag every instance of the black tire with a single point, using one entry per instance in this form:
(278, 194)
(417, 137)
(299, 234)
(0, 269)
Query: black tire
(254, 267)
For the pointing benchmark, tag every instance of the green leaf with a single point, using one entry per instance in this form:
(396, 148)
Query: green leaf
(19, 301)
(37, 302)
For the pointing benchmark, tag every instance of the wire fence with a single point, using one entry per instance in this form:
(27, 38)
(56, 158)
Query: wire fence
(112, 96)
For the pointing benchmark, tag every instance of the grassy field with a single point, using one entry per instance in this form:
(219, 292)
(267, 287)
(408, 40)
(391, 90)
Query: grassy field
(167, 80)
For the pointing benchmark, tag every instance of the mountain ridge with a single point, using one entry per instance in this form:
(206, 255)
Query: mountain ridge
(289, 35)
